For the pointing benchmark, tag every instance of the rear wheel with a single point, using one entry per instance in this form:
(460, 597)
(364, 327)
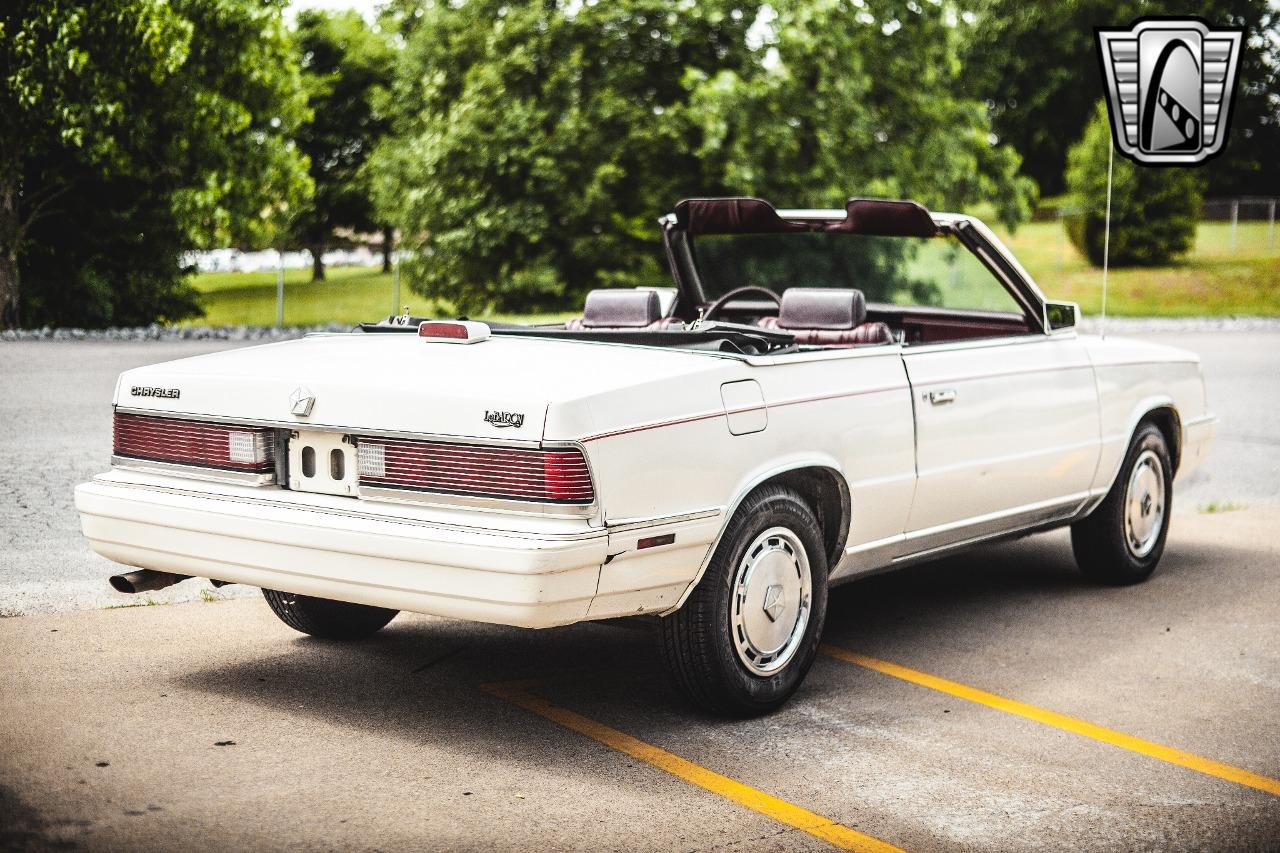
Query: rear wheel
(744, 640)
(1121, 541)
(330, 620)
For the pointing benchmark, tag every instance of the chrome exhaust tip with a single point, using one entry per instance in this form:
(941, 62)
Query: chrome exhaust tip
(144, 580)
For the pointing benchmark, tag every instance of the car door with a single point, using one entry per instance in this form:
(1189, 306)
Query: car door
(1006, 435)
(1006, 414)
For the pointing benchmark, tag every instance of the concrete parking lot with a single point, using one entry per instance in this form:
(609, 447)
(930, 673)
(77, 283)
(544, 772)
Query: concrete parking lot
(992, 701)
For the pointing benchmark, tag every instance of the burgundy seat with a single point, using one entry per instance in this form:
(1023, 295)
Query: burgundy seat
(823, 316)
(620, 308)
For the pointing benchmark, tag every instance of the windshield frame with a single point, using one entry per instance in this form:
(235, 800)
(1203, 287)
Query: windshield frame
(971, 233)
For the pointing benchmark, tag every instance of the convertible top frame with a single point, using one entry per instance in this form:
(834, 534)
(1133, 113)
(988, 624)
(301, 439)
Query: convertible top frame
(874, 217)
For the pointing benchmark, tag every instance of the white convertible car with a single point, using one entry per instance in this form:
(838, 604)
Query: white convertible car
(823, 394)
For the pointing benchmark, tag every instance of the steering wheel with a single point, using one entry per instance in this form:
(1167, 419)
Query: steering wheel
(716, 307)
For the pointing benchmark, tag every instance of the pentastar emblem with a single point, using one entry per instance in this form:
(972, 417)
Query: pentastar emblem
(773, 602)
(301, 401)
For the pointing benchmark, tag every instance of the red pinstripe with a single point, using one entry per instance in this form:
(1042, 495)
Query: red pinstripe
(721, 412)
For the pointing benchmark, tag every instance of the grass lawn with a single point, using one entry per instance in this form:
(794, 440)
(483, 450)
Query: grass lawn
(348, 295)
(249, 298)
(1216, 279)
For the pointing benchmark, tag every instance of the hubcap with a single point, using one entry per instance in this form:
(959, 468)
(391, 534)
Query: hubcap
(772, 594)
(1144, 505)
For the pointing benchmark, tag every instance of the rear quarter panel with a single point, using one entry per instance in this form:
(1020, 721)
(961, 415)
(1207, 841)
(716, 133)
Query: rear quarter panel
(1135, 377)
(665, 448)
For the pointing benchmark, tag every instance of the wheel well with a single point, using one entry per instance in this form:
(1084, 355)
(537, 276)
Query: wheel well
(1167, 421)
(828, 495)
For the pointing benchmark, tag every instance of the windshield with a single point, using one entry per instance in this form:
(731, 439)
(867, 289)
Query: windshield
(906, 271)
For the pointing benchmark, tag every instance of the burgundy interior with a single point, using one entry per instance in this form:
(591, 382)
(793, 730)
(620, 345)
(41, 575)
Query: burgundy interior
(935, 325)
(622, 309)
(825, 317)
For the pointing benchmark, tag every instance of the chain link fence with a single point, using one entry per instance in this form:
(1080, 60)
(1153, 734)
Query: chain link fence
(1251, 223)
(1243, 227)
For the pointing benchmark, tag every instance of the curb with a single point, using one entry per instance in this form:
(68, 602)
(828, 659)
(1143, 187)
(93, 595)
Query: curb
(157, 332)
(1147, 325)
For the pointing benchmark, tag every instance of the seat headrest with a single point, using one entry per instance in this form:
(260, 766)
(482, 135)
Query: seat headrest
(821, 308)
(621, 309)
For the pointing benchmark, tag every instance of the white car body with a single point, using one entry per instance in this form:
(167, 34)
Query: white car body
(926, 448)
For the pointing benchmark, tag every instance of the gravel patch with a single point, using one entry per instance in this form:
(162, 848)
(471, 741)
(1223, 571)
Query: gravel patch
(1156, 325)
(157, 332)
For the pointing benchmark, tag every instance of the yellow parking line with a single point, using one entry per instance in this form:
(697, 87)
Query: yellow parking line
(1060, 721)
(744, 795)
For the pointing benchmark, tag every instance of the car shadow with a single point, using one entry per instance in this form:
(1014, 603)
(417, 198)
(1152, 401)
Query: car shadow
(425, 675)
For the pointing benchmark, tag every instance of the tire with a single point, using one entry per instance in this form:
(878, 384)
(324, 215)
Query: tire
(1122, 540)
(329, 620)
(737, 647)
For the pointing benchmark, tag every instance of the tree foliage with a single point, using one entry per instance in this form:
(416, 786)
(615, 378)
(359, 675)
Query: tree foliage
(133, 130)
(854, 98)
(540, 145)
(346, 69)
(1036, 66)
(543, 139)
(1154, 210)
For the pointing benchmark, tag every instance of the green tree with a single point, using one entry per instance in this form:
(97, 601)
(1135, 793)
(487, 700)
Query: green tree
(846, 98)
(346, 68)
(542, 139)
(1036, 66)
(1154, 210)
(132, 130)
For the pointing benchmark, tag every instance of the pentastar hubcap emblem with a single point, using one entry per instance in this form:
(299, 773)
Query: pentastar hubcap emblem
(773, 602)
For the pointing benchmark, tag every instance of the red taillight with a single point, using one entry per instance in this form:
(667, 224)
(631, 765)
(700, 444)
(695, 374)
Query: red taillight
(182, 442)
(545, 476)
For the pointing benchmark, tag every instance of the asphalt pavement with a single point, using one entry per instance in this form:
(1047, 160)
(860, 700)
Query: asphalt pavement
(55, 432)
(212, 725)
(991, 701)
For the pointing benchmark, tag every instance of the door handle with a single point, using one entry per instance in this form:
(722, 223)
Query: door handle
(941, 398)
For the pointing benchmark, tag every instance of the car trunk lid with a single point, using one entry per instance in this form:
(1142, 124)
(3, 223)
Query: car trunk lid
(498, 389)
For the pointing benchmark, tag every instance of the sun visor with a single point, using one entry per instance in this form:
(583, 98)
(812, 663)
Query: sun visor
(886, 218)
(732, 216)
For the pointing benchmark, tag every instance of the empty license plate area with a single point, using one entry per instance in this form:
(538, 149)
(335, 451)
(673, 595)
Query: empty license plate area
(323, 462)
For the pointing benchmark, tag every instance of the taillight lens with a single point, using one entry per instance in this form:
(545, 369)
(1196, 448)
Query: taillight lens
(183, 442)
(544, 476)
(454, 331)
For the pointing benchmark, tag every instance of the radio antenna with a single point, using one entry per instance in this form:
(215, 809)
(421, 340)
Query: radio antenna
(1106, 240)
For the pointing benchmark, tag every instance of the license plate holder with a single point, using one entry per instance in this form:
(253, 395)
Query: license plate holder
(323, 462)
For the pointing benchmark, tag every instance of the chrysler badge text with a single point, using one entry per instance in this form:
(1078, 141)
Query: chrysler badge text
(167, 393)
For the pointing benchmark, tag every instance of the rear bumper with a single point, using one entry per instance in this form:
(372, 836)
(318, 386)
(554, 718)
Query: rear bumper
(512, 577)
